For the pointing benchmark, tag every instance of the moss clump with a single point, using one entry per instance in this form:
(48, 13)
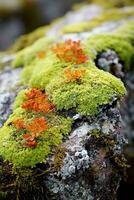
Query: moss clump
(113, 14)
(94, 90)
(41, 72)
(30, 53)
(85, 92)
(21, 156)
(63, 82)
(119, 43)
(127, 31)
(84, 95)
(33, 130)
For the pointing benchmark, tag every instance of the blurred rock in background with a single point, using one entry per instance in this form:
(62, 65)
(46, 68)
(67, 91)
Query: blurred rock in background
(22, 16)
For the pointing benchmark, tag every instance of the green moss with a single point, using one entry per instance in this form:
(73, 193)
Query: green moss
(113, 14)
(102, 42)
(95, 90)
(127, 31)
(44, 71)
(59, 155)
(96, 133)
(43, 74)
(21, 156)
(28, 54)
(19, 99)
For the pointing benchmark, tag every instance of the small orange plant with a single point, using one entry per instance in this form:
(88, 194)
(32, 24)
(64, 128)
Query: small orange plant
(19, 123)
(37, 101)
(41, 54)
(73, 75)
(37, 126)
(70, 51)
(31, 130)
(31, 143)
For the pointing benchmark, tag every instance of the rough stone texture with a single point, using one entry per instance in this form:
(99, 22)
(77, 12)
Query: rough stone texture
(127, 112)
(88, 167)
(110, 61)
(107, 61)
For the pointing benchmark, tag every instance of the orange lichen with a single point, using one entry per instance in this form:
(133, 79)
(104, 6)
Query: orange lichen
(26, 136)
(70, 51)
(31, 143)
(37, 101)
(33, 93)
(19, 123)
(31, 129)
(41, 55)
(73, 75)
(37, 126)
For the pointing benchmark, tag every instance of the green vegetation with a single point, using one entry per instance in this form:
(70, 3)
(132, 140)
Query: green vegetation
(11, 149)
(119, 43)
(95, 89)
(68, 84)
(29, 54)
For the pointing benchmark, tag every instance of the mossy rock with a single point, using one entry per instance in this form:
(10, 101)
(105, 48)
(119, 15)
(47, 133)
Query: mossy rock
(87, 95)
(94, 90)
(21, 156)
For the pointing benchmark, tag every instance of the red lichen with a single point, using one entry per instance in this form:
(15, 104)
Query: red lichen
(70, 51)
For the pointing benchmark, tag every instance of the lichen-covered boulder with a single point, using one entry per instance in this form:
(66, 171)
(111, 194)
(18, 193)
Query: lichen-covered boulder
(64, 138)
